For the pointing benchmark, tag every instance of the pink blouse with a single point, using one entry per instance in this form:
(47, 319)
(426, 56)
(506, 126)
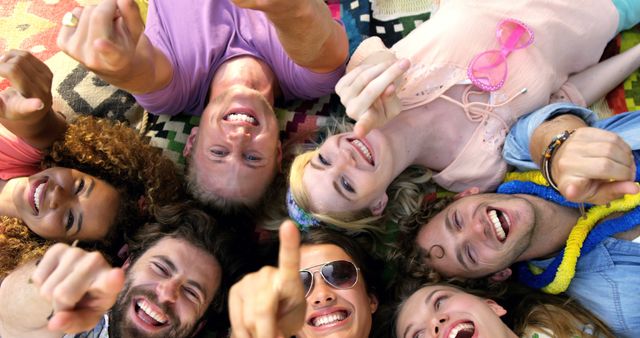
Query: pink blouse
(17, 158)
(569, 37)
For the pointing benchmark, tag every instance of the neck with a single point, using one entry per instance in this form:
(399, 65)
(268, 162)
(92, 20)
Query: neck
(246, 71)
(553, 226)
(7, 207)
(410, 137)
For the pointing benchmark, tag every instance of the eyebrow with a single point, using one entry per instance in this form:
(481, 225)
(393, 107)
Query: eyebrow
(427, 301)
(174, 270)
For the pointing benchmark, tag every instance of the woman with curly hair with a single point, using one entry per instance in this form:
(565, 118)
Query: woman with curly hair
(117, 177)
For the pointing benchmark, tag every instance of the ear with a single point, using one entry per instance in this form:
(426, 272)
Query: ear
(127, 264)
(468, 192)
(497, 309)
(191, 140)
(500, 276)
(373, 302)
(379, 204)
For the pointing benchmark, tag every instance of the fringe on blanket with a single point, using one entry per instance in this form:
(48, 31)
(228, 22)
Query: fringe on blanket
(385, 10)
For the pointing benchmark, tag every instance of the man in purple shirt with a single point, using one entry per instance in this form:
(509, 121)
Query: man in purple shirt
(226, 60)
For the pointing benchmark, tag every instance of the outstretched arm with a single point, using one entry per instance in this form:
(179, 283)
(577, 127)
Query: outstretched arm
(596, 81)
(68, 291)
(25, 108)
(109, 41)
(309, 35)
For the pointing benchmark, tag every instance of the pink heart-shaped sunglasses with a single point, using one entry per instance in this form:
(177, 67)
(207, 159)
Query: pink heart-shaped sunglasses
(488, 70)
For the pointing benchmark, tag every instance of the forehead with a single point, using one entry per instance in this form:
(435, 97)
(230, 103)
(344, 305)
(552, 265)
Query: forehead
(314, 254)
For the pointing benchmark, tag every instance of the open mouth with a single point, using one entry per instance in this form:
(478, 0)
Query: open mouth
(241, 117)
(37, 194)
(363, 149)
(501, 223)
(329, 319)
(150, 314)
(462, 330)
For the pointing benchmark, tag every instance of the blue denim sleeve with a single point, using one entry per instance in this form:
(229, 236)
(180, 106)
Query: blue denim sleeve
(516, 146)
(626, 125)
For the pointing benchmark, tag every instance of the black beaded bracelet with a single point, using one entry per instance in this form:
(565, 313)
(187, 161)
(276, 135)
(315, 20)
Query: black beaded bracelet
(547, 155)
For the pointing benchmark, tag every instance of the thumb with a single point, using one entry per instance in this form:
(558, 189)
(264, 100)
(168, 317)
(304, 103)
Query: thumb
(29, 105)
(132, 18)
(364, 124)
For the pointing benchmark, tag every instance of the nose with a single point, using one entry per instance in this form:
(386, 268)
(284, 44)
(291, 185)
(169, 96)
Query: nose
(239, 135)
(167, 290)
(57, 197)
(438, 323)
(344, 159)
(322, 294)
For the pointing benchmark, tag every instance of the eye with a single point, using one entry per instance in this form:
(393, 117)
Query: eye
(219, 152)
(457, 221)
(323, 160)
(419, 334)
(252, 158)
(346, 185)
(438, 302)
(70, 219)
(80, 186)
(468, 249)
(160, 270)
(191, 294)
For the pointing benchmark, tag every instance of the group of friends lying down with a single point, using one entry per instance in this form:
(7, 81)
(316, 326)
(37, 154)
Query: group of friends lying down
(468, 193)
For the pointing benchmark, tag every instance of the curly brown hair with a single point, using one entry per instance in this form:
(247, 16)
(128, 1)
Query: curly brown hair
(117, 154)
(18, 245)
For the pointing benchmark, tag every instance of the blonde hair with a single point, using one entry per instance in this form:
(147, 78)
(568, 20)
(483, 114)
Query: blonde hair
(405, 195)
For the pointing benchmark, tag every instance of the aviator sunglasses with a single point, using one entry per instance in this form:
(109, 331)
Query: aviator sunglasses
(338, 274)
(488, 70)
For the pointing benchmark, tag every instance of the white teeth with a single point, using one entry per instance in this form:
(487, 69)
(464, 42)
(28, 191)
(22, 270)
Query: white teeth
(363, 149)
(329, 319)
(144, 306)
(493, 215)
(461, 327)
(37, 194)
(241, 117)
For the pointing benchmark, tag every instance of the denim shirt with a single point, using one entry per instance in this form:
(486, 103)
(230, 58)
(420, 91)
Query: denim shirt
(516, 146)
(607, 282)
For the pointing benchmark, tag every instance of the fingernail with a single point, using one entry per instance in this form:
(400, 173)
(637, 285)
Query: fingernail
(50, 315)
(404, 64)
(41, 106)
(38, 261)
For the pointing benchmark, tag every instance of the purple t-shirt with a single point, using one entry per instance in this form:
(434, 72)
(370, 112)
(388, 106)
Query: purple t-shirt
(197, 36)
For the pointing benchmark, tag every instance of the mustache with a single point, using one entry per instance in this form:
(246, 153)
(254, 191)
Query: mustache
(138, 292)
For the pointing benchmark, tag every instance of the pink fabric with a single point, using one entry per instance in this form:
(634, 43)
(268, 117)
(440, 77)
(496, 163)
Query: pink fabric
(17, 158)
(569, 37)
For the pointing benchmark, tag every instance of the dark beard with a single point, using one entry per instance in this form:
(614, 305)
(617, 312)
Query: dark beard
(120, 326)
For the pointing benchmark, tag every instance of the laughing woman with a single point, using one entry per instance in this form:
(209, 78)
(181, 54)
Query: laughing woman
(469, 73)
(444, 310)
(91, 180)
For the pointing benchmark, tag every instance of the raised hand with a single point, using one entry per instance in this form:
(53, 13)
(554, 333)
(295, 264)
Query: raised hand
(80, 285)
(594, 166)
(105, 39)
(368, 92)
(270, 303)
(29, 97)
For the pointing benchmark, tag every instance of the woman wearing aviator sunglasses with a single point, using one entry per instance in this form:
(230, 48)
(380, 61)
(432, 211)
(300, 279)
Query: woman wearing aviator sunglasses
(445, 96)
(328, 273)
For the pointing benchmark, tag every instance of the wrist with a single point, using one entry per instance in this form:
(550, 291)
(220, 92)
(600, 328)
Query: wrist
(548, 154)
